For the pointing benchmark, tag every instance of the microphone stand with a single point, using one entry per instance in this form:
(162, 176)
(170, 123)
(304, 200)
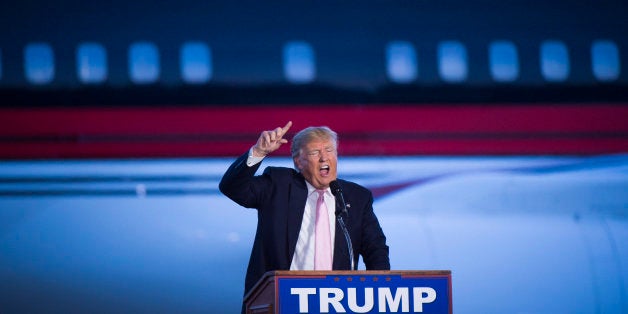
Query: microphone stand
(340, 200)
(347, 237)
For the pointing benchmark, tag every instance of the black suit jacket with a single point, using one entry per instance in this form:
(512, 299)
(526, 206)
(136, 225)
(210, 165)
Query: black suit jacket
(279, 195)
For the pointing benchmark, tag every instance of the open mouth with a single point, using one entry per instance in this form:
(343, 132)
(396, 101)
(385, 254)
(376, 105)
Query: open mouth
(324, 170)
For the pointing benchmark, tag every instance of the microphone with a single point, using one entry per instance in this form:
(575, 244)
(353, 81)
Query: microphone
(341, 208)
(340, 199)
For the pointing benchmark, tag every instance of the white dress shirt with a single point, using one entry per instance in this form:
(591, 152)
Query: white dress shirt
(303, 258)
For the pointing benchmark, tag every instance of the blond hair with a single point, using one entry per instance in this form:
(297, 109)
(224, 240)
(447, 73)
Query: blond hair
(309, 134)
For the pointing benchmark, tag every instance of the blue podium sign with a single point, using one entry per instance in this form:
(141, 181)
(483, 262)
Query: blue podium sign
(364, 292)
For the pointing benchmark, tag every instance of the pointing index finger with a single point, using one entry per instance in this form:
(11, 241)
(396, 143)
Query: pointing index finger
(285, 129)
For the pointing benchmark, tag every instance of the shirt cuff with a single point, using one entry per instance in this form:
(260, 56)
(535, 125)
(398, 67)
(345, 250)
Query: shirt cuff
(252, 160)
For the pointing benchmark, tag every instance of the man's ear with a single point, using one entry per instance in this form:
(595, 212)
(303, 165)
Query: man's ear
(297, 164)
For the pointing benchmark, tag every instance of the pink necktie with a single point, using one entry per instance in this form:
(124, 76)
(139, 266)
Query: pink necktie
(322, 253)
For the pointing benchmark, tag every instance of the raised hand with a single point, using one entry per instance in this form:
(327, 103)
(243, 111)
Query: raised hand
(270, 141)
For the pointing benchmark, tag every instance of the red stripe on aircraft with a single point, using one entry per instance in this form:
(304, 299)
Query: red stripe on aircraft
(96, 132)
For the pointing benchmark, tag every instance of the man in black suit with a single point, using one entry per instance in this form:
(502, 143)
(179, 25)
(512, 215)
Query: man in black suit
(286, 199)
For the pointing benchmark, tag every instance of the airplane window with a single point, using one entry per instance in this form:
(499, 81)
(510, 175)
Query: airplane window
(91, 63)
(605, 60)
(504, 61)
(39, 64)
(299, 64)
(401, 62)
(554, 61)
(196, 62)
(452, 61)
(143, 63)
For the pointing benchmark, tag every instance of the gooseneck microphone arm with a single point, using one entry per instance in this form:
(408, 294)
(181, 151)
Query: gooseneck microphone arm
(341, 209)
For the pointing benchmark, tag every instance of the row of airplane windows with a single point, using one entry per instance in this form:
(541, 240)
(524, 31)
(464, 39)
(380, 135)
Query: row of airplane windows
(299, 62)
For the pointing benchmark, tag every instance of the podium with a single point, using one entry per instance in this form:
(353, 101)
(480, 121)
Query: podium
(362, 291)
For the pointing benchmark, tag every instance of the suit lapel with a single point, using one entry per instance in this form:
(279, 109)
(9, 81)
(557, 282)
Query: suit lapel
(341, 253)
(341, 250)
(297, 196)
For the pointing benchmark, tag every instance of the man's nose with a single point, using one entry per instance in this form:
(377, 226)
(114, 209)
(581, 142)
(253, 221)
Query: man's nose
(324, 155)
